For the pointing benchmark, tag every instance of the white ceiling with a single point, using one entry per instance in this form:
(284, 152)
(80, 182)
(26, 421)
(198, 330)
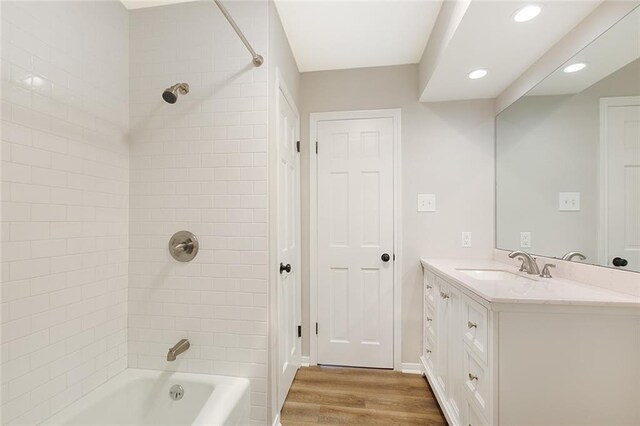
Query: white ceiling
(616, 48)
(330, 35)
(343, 34)
(489, 38)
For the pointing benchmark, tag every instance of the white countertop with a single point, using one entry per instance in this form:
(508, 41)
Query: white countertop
(537, 290)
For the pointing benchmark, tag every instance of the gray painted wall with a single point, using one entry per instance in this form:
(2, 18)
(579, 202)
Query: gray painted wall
(447, 149)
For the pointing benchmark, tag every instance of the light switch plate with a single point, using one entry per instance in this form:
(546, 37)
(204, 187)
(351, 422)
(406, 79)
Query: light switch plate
(525, 239)
(426, 202)
(569, 201)
(466, 239)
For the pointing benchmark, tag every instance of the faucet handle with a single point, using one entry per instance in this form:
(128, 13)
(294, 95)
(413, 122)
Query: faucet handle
(523, 266)
(545, 270)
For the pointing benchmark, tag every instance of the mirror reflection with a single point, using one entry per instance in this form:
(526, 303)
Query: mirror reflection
(568, 157)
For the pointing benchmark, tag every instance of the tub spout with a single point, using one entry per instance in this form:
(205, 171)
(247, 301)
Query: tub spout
(179, 347)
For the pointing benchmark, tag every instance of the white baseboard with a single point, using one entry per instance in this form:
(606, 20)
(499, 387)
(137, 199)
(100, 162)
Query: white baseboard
(276, 421)
(304, 361)
(411, 368)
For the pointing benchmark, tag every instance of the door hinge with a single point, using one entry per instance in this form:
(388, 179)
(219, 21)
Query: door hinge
(297, 146)
(316, 147)
(316, 328)
(299, 331)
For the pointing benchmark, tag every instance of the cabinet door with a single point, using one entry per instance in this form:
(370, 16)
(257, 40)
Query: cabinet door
(456, 366)
(442, 334)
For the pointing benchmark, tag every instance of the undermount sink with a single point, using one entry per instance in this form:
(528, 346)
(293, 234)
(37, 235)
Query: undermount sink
(493, 275)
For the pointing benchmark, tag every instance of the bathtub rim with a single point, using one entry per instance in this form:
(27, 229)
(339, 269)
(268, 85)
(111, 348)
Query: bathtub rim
(231, 391)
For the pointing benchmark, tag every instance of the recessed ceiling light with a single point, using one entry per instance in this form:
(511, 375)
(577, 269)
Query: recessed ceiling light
(527, 13)
(575, 67)
(474, 75)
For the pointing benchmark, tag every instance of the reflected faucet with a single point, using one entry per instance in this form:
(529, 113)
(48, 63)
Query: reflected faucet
(569, 256)
(528, 261)
(179, 347)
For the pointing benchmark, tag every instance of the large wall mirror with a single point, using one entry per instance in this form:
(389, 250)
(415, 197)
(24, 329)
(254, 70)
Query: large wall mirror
(568, 157)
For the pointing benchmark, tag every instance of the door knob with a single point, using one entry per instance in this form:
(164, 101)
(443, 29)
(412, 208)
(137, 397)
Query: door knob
(385, 257)
(618, 261)
(284, 268)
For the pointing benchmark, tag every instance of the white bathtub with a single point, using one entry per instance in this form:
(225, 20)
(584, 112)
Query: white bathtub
(141, 397)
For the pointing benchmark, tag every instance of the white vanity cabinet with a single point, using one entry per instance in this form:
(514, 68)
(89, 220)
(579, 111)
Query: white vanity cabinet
(517, 356)
(452, 358)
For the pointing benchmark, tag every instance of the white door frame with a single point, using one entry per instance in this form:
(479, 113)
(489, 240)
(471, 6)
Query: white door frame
(314, 120)
(280, 86)
(603, 226)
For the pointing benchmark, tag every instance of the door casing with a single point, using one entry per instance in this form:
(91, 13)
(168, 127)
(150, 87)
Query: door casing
(314, 119)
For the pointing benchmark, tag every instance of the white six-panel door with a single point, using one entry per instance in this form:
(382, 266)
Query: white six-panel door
(623, 183)
(289, 288)
(355, 296)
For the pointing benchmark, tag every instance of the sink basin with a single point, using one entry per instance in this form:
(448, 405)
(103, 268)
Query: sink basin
(494, 275)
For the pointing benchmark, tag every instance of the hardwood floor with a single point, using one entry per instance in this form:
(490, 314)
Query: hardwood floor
(358, 396)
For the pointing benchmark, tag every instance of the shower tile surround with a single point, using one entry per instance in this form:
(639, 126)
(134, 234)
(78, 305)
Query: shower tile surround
(65, 203)
(200, 165)
(98, 172)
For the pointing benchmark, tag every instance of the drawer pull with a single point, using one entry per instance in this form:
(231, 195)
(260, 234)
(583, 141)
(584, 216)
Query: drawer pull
(444, 295)
(472, 324)
(429, 319)
(472, 377)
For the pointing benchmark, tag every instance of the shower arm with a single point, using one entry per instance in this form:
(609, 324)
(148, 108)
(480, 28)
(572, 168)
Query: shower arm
(257, 59)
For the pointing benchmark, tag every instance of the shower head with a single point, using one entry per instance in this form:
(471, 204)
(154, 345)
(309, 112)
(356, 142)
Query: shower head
(170, 95)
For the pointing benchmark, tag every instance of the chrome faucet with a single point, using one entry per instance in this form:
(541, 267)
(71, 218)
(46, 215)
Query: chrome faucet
(179, 347)
(569, 256)
(528, 261)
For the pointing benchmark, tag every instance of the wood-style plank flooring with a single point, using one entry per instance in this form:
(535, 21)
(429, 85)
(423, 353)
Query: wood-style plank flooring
(358, 396)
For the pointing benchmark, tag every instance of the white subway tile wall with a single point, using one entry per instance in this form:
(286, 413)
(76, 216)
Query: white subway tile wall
(65, 202)
(200, 165)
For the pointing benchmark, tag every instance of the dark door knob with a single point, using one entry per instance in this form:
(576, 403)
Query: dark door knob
(286, 268)
(618, 261)
(385, 257)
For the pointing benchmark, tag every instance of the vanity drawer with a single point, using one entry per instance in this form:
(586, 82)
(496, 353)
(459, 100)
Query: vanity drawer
(476, 382)
(429, 354)
(475, 327)
(430, 322)
(430, 288)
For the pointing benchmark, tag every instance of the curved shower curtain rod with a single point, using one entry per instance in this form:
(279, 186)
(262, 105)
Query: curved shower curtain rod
(257, 59)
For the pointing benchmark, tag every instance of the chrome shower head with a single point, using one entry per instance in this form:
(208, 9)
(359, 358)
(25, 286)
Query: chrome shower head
(170, 95)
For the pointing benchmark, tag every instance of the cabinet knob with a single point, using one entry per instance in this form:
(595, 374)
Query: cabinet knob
(444, 295)
(429, 319)
(428, 351)
(472, 377)
(429, 287)
(472, 324)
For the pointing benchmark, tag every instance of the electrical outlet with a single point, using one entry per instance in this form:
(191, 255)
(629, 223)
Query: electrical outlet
(569, 201)
(466, 239)
(525, 239)
(426, 202)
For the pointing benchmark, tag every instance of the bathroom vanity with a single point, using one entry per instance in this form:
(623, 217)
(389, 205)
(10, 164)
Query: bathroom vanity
(502, 347)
